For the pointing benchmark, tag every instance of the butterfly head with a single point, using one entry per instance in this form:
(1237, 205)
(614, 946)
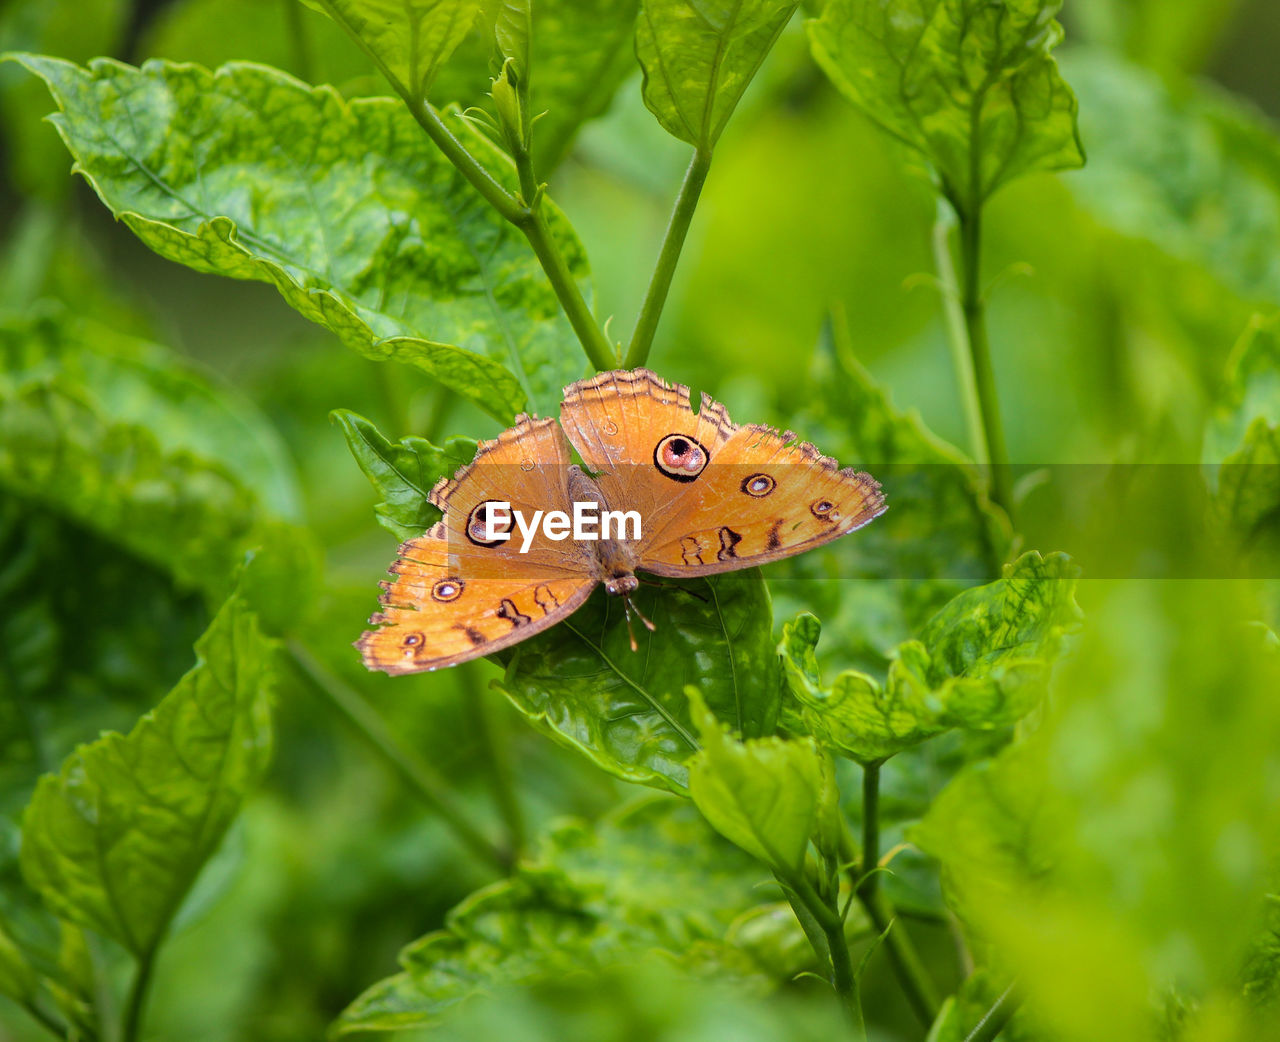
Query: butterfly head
(621, 584)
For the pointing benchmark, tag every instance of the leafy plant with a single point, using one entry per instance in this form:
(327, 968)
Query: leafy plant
(902, 786)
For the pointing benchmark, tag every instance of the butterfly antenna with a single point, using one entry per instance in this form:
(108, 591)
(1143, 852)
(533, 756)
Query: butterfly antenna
(630, 609)
(626, 614)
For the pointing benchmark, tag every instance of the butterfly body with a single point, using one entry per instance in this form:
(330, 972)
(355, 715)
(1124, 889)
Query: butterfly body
(614, 559)
(706, 496)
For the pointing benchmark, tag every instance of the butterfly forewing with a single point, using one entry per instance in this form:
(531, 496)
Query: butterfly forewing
(457, 593)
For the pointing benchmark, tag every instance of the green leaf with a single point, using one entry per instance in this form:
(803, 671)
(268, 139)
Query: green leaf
(969, 83)
(644, 998)
(409, 265)
(81, 414)
(651, 876)
(142, 384)
(764, 794)
(698, 59)
(1243, 434)
(115, 840)
(1191, 169)
(944, 534)
(402, 473)
(409, 41)
(982, 662)
(626, 711)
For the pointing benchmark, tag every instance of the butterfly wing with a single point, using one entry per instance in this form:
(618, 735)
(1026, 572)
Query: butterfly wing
(713, 496)
(458, 594)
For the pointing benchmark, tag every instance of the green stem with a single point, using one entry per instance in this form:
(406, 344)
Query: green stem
(957, 335)
(812, 910)
(135, 1005)
(869, 884)
(442, 399)
(673, 242)
(600, 353)
(843, 980)
(393, 397)
(480, 707)
(996, 1018)
(907, 965)
(508, 205)
(975, 321)
(525, 214)
(430, 787)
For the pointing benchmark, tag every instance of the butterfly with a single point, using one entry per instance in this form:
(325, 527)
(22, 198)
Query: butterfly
(706, 496)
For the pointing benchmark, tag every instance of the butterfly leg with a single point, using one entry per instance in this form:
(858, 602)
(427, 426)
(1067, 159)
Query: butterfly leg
(674, 586)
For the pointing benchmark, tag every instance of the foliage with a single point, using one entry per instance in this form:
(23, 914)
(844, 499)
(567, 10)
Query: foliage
(981, 662)
(945, 771)
(650, 877)
(971, 85)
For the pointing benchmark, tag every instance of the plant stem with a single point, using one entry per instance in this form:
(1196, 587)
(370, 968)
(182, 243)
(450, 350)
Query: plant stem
(906, 962)
(525, 214)
(480, 707)
(429, 786)
(812, 911)
(957, 335)
(673, 242)
(468, 166)
(996, 1018)
(600, 353)
(131, 1024)
(842, 978)
(298, 41)
(869, 884)
(975, 321)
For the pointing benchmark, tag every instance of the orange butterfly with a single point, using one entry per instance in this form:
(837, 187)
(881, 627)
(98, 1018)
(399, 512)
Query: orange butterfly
(706, 496)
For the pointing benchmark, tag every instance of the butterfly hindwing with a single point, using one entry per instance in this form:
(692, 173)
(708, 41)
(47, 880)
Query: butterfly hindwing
(764, 497)
(619, 420)
(712, 496)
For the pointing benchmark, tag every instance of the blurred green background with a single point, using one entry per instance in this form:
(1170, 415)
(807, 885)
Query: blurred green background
(1122, 289)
